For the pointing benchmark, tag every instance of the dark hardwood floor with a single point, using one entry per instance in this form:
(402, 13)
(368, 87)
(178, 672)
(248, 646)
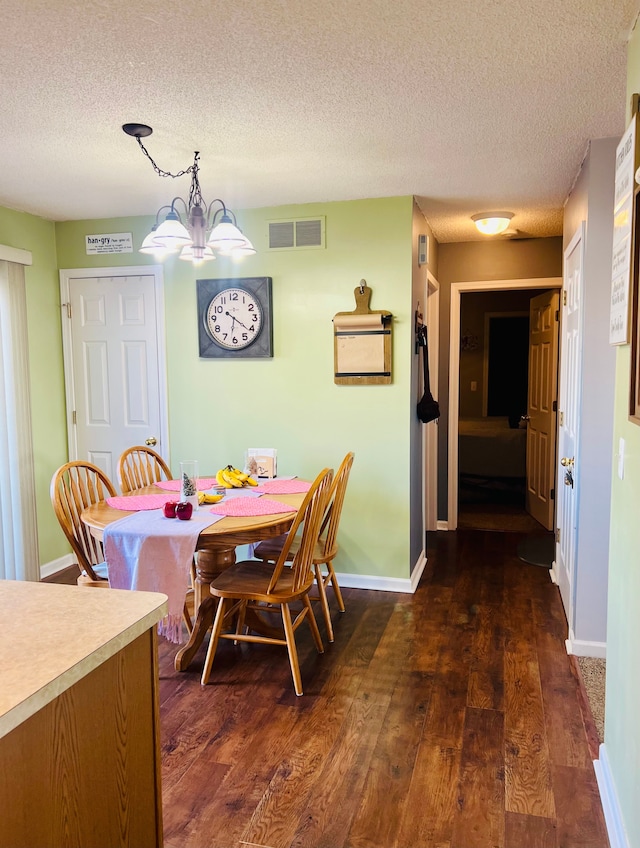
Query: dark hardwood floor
(447, 718)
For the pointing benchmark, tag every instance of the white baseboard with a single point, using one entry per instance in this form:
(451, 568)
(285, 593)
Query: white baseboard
(56, 565)
(349, 581)
(381, 584)
(442, 525)
(609, 798)
(553, 573)
(584, 648)
(416, 574)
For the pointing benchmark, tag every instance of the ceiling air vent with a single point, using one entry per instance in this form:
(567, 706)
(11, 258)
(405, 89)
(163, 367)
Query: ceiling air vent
(296, 234)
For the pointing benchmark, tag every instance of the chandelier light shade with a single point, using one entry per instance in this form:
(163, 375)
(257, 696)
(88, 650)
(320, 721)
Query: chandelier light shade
(191, 226)
(150, 245)
(492, 223)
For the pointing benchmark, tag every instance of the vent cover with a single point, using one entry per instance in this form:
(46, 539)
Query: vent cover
(296, 234)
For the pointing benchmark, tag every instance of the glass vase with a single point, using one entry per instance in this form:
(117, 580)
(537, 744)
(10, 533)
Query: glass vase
(189, 482)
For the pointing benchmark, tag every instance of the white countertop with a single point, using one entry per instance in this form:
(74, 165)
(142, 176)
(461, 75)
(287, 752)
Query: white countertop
(55, 635)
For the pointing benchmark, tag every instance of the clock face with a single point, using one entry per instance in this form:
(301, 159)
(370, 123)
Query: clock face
(234, 318)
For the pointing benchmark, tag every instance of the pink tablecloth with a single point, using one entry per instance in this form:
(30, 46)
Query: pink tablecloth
(244, 507)
(135, 503)
(283, 487)
(152, 553)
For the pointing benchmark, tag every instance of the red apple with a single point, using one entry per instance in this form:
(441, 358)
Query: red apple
(184, 510)
(170, 509)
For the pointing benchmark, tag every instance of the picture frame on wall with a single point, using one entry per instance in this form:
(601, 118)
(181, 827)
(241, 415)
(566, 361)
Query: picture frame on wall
(634, 282)
(623, 235)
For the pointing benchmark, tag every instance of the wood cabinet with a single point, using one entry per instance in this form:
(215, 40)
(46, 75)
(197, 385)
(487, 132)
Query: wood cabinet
(79, 736)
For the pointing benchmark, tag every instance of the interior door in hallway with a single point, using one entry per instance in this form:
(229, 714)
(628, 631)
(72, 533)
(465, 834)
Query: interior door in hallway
(115, 366)
(568, 431)
(541, 407)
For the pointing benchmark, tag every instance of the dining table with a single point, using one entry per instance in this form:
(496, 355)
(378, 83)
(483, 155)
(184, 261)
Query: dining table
(216, 551)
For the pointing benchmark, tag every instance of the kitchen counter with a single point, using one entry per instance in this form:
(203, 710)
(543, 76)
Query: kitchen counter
(79, 728)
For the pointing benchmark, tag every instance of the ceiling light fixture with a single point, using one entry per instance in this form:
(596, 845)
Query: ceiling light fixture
(186, 231)
(492, 223)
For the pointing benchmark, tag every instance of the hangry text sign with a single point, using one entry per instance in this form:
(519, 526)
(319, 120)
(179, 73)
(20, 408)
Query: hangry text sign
(109, 243)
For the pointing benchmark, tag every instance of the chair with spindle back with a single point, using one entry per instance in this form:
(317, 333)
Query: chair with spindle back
(140, 466)
(74, 487)
(262, 588)
(326, 547)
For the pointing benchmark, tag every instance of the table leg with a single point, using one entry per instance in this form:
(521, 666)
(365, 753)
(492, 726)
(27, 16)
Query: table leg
(209, 564)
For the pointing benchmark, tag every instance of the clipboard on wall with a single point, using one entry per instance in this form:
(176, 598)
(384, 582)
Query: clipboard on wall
(362, 343)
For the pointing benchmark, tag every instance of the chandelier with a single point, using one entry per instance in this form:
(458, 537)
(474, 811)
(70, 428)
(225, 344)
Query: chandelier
(191, 226)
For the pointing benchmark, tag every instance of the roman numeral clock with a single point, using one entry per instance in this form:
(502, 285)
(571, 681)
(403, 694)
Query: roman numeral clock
(235, 318)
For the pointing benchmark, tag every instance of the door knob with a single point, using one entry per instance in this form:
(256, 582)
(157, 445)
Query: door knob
(566, 462)
(151, 442)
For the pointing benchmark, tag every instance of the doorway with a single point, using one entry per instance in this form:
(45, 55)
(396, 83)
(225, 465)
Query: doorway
(487, 449)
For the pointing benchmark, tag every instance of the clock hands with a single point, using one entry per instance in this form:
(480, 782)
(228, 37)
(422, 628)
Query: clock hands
(233, 318)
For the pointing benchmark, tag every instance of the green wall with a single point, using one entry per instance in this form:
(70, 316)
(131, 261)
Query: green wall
(622, 732)
(17, 229)
(217, 408)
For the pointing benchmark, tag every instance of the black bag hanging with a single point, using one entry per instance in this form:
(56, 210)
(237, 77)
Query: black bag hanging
(428, 407)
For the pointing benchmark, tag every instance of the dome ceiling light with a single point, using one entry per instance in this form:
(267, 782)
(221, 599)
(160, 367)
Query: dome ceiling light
(492, 223)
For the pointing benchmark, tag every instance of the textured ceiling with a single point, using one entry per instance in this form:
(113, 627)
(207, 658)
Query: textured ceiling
(468, 105)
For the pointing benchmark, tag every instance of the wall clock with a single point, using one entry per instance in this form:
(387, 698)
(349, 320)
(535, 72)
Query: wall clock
(235, 318)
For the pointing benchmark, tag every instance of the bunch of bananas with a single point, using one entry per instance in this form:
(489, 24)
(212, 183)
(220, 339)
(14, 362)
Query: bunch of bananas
(204, 498)
(233, 478)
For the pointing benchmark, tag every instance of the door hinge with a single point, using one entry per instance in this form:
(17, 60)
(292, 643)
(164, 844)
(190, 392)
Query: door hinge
(557, 535)
(74, 417)
(557, 314)
(564, 297)
(67, 306)
(552, 494)
(554, 406)
(562, 419)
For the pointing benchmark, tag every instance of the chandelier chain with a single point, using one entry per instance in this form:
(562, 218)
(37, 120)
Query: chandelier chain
(190, 170)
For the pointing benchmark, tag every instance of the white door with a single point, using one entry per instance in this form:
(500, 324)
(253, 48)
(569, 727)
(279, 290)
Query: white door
(116, 380)
(541, 406)
(568, 431)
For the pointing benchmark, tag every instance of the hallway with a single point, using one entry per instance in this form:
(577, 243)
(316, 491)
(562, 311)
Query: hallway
(447, 718)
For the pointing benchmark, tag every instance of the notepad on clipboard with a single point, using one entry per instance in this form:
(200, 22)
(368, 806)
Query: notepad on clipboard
(362, 343)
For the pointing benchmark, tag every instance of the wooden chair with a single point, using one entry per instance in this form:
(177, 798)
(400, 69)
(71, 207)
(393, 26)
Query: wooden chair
(74, 487)
(259, 588)
(326, 547)
(140, 466)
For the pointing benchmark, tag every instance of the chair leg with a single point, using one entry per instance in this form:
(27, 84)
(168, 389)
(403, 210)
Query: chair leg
(334, 582)
(240, 620)
(291, 647)
(324, 603)
(213, 641)
(313, 624)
